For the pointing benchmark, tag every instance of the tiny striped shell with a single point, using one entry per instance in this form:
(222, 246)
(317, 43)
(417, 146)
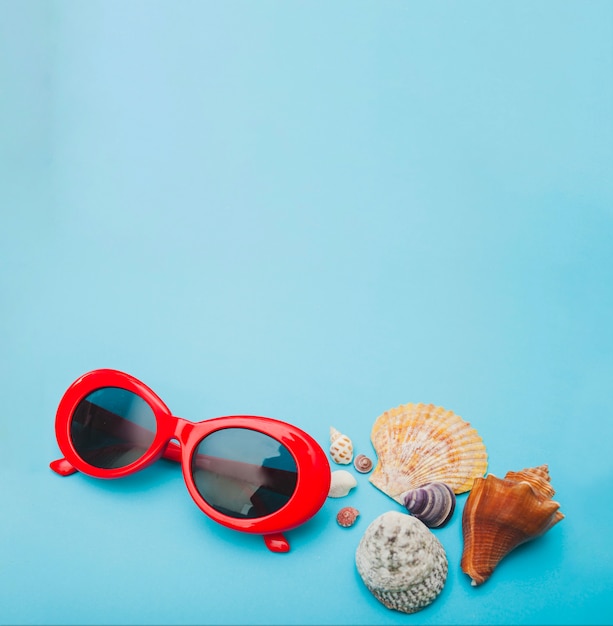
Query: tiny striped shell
(433, 504)
(347, 516)
(341, 447)
(362, 464)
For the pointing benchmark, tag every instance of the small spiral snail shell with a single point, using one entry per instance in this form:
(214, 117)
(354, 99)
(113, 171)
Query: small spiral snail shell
(433, 504)
(347, 516)
(362, 464)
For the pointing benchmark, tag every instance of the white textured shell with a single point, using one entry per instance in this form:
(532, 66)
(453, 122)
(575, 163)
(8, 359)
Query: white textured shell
(417, 444)
(401, 562)
(341, 483)
(341, 447)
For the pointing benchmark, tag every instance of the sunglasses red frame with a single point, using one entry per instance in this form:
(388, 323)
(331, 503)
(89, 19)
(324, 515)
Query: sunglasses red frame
(313, 468)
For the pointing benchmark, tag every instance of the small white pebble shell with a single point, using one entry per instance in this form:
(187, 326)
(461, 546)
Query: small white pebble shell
(341, 447)
(341, 483)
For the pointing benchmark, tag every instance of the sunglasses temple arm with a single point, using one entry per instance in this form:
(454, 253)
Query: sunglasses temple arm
(172, 452)
(276, 543)
(65, 468)
(62, 467)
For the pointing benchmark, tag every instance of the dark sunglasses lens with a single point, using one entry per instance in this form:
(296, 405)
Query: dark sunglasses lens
(244, 473)
(112, 428)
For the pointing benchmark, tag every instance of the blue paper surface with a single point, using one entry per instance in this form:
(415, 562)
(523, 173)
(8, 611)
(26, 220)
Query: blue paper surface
(316, 212)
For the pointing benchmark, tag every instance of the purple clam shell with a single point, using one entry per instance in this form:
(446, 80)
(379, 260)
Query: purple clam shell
(433, 504)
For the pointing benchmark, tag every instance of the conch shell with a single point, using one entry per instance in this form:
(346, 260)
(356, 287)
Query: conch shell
(341, 447)
(419, 444)
(502, 513)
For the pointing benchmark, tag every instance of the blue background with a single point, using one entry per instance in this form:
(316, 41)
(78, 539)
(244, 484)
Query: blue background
(314, 211)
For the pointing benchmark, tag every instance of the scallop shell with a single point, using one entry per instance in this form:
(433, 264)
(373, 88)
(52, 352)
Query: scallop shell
(362, 464)
(433, 504)
(341, 483)
(347, 516)
(341, 447)
(401, 562)
(502, 513)
(419, 444)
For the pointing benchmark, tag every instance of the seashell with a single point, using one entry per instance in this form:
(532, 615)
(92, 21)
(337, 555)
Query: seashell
(341, 483)
(341, 447)
(433, 504)
(502, 513)
(347, 516)
(362, 464)
(419, 444)
(401, 562)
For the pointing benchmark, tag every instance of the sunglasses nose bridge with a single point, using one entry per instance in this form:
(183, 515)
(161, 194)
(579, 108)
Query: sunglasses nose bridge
(181, 429)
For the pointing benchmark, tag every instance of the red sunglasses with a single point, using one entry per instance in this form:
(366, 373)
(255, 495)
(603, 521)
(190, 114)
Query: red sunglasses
(251, 474)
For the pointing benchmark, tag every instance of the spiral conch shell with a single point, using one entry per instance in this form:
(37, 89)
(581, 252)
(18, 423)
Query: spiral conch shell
(341, 447)
(419, 444)
(502, 513)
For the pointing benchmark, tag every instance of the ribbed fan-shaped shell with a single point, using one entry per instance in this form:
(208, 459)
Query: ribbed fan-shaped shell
(502, 513)
(417, 444)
